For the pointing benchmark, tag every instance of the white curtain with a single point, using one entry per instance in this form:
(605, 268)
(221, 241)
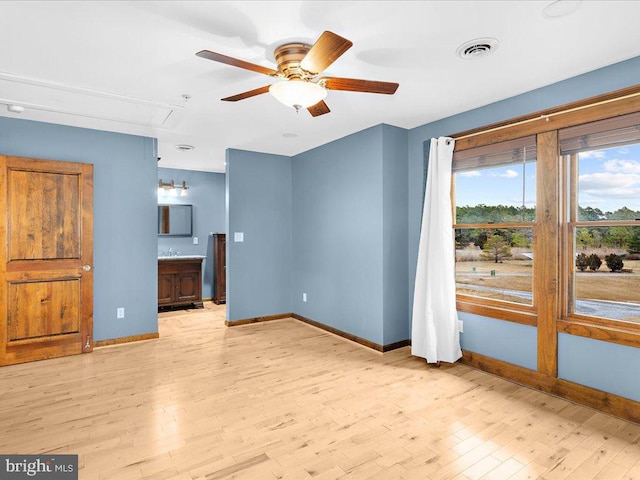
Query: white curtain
(435, 334)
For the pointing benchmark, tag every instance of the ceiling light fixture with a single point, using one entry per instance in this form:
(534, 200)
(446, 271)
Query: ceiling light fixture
(297, 93)
(561, 8)
(15, 108)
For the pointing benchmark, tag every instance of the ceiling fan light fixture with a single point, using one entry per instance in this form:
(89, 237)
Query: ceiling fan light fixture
(299, 65)
(297, 93)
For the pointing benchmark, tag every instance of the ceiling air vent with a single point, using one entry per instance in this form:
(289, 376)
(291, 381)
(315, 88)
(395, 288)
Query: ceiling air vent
(185, 148)
(480, 47)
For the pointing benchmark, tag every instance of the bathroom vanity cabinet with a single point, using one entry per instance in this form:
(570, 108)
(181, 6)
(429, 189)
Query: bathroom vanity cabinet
(179, 282)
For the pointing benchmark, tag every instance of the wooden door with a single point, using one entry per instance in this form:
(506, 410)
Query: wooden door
(46, 259)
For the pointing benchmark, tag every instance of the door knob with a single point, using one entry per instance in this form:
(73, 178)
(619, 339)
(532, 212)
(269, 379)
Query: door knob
(86, 268)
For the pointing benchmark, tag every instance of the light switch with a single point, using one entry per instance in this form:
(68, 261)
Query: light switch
(195, 240)
(238, 236)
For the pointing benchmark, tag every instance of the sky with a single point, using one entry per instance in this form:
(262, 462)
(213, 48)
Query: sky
(608, 179)
(497, 186)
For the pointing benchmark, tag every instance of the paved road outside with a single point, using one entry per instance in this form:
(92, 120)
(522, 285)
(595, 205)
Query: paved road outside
(598, 308)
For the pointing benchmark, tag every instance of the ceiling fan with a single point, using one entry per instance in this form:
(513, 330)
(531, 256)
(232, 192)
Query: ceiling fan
(298, 68)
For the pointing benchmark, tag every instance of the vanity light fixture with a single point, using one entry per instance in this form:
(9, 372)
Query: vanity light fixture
(171, 188)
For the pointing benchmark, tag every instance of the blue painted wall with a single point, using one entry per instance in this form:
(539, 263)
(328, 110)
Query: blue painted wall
(602, 365)
(259, 206)
(396, 311)
(504, 343)
(125, 239)
(337, 234)
(346, 232)
(207, 195)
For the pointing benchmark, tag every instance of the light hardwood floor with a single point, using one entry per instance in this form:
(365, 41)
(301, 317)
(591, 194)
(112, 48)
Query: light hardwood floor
(283, 399)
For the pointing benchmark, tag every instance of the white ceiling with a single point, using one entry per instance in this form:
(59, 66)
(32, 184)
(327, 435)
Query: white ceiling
(124, 66)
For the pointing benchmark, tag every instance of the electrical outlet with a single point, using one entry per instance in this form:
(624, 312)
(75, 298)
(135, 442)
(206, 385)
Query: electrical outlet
(120, 312)
(304, 297)
(195, 240)
(460, 326)
(238, 236)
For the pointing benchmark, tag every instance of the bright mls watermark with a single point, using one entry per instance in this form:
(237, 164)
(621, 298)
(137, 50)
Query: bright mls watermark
(50, 467)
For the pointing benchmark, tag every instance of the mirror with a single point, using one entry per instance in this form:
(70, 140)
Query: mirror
(174, 220)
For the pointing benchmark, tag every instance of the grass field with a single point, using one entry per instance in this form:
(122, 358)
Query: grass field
(518, 274)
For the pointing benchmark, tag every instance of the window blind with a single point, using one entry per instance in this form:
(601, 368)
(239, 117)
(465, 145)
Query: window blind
(498, 154)
(612, 132)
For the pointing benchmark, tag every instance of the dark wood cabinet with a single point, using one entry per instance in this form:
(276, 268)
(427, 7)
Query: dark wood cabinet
(179, 282)
(219, 268)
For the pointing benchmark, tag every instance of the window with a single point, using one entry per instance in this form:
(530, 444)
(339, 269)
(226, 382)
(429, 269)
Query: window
(495, 212)
(547, 222)
(602, 160)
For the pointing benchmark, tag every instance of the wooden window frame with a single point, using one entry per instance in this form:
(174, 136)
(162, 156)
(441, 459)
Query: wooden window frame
(551, 232)
(570, 322)
(517, 312)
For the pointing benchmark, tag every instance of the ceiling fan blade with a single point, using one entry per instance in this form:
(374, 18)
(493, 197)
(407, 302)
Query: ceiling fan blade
(249, 94)
(318, 109)
(355, 85)
(234, 62)
(324, 52)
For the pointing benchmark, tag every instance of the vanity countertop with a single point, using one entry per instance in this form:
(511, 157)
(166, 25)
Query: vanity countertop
(181, 257)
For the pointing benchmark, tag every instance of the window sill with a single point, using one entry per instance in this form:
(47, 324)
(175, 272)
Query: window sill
(515, 315)
(621, 333)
